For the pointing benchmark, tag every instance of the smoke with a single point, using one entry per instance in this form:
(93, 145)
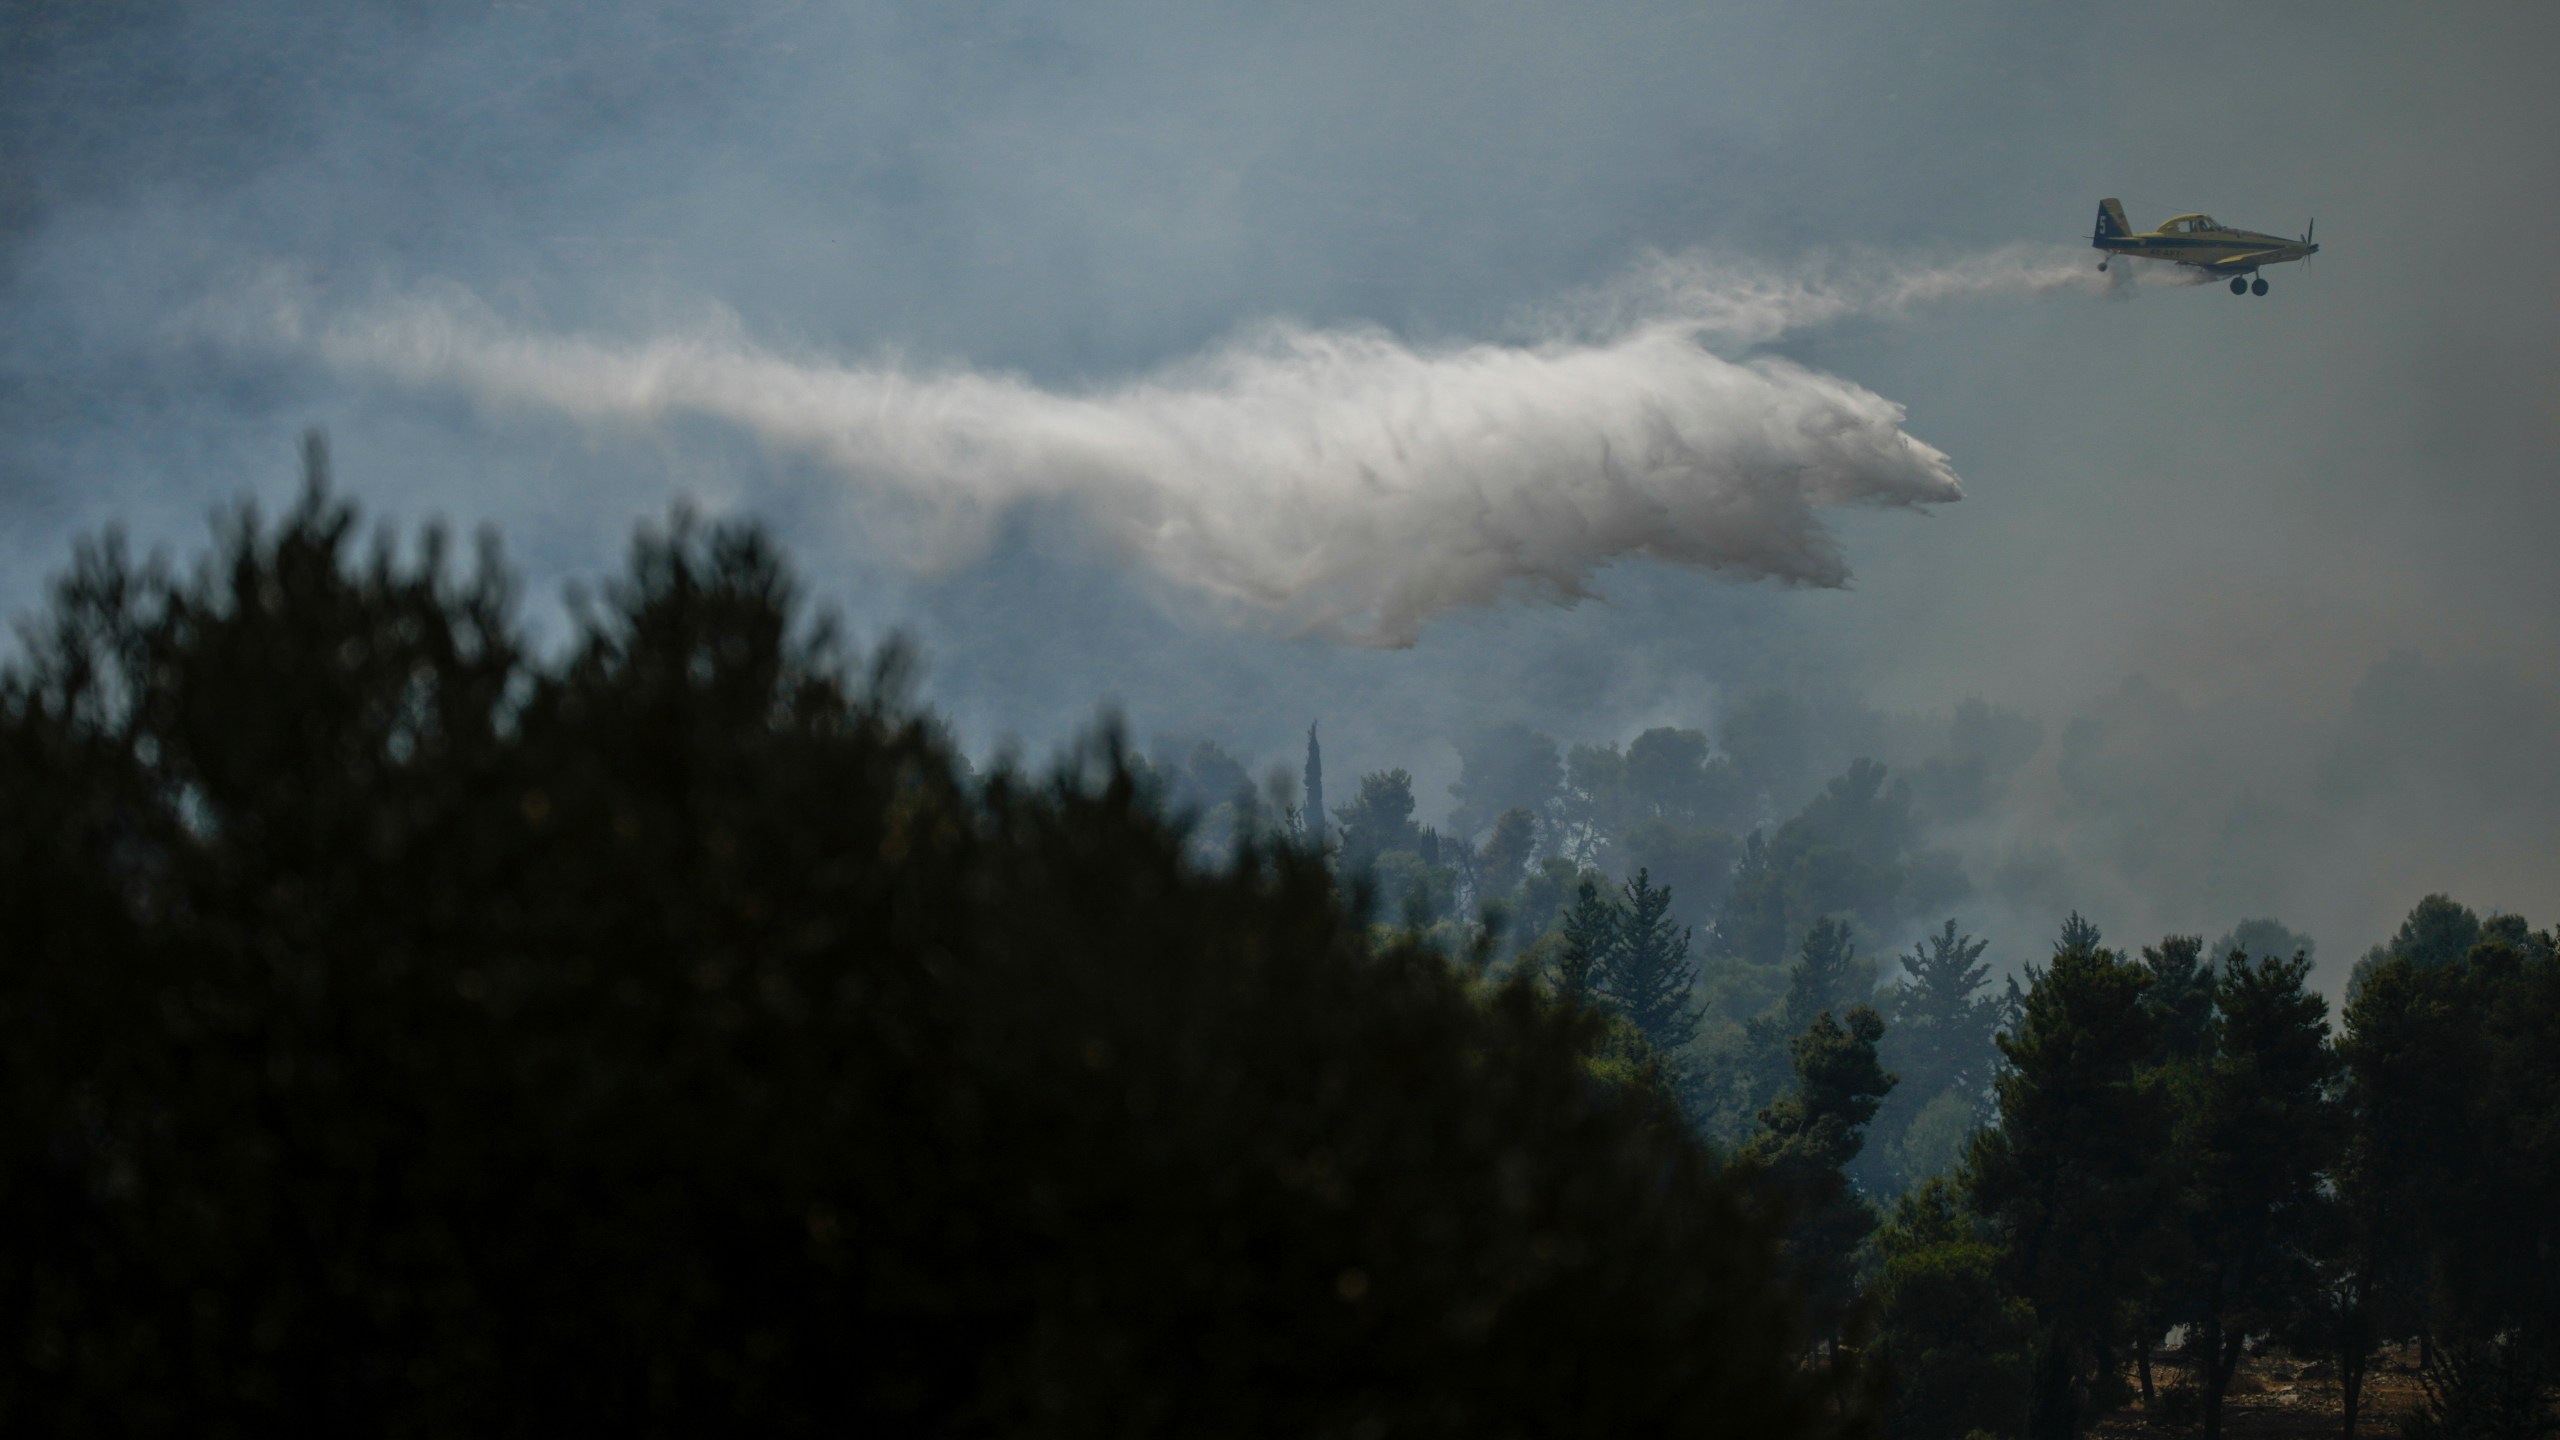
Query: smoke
(1751, 304)
(1336, 482)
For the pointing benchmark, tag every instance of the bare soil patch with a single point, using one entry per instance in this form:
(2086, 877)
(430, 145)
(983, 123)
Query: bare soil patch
(2275, 1396)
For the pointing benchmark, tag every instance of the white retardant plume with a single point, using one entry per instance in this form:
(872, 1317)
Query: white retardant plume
(1337, 482)
(1748, 304)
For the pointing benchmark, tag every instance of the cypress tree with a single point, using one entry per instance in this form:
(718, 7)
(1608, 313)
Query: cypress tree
(1311, 824)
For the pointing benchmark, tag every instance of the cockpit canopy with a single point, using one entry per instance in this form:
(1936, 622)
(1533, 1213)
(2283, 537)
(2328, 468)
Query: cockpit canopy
(2187, 224)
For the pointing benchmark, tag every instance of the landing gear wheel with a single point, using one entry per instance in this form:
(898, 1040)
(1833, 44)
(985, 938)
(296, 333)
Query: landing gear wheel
(2239, 286)
(2257, 287)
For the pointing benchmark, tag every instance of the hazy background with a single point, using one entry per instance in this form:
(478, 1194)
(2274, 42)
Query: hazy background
(2274, 575)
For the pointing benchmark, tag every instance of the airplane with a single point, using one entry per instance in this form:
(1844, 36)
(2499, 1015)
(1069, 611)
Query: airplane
(2201, 241)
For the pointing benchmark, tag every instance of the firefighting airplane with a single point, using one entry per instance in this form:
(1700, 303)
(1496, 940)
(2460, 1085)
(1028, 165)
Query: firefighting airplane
(2201, 241)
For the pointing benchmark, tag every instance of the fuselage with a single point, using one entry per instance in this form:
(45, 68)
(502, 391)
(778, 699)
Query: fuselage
(2200, 241)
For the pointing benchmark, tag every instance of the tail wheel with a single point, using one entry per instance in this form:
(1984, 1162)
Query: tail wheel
(2257, 287)
(2239, 286)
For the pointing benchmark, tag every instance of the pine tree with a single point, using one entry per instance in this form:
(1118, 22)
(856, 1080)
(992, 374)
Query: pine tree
(2253, 1144)
(1647, 976)
(2452, 1061)
(1590, 945)
(1809, 1137)
(2178, 991)
(2177, 995)
(1942, 1023)
(407, 1028)
(2072, 1178)
(1954, 1340)
(2078, 933)
(1939, 1040)
(1379, 819)
(1828, 976)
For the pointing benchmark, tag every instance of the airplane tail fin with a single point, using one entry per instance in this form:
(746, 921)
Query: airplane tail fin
(2111, 223)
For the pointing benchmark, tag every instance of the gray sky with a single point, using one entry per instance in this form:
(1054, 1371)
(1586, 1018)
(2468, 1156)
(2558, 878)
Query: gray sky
(2274, 572)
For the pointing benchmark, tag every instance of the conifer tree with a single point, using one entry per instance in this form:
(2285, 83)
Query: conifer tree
(1953, 1340)
(1942, 1022)
(2178, 990)
(1809, 1137)
(1378, 820)
(1828, 975)
(2078, 933)
(2451, 1062)
(1590, 944)
(1938, 1039)
(2253, 1145)
(2178, 996)
(1647, 976)
(1314, 815)
(2071, 1178)
(409, 1029)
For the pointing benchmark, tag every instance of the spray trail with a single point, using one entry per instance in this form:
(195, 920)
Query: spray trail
(1743, 303)
(1338, 482)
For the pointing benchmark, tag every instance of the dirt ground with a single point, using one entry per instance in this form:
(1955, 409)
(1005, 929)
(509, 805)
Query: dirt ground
(2276, 1396)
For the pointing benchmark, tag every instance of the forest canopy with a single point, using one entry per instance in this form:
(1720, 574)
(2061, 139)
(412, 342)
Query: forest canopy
(411, 1028)
(410, 1031)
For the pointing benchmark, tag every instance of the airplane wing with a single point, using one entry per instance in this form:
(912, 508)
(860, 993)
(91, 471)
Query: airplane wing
(2243, 262)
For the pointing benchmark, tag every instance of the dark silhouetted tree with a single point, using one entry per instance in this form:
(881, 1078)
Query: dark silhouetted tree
(405, 1033)
(2178, 993)
(2255, 1141)
(1808, 1138)
(1953, 1342)
(2072, 1178)
(2438, 932)
(2451, 1062)
(2178, 998)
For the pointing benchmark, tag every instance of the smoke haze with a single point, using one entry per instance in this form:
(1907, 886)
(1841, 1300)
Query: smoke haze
(1614, 308)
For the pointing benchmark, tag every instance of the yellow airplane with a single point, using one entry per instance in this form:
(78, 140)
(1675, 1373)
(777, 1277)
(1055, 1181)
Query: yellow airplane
(2201, 241)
